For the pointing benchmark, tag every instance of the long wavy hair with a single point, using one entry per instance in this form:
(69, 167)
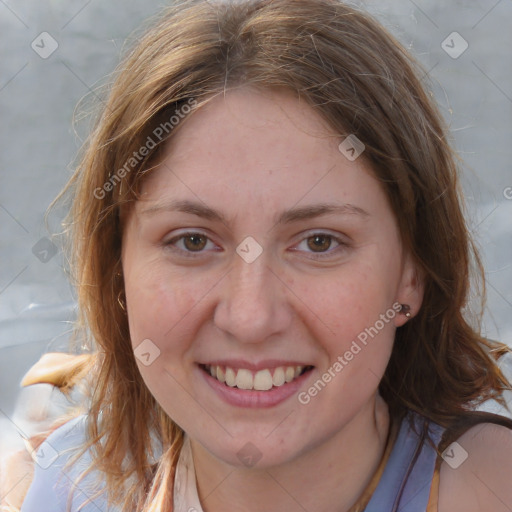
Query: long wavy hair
(361, 81)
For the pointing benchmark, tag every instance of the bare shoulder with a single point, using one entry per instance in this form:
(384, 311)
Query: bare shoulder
(476, 473)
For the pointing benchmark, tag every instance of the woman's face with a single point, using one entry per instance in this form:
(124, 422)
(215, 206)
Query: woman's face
(260, 253)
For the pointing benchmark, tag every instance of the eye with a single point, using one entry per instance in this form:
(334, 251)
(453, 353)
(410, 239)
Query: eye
(191, 242)
(320, 245)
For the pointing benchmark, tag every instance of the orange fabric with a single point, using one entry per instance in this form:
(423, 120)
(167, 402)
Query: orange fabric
(17, 473)
(17, 470)
(370, 489)
(434, 492)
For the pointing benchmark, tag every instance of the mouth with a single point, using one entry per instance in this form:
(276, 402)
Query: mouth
(265, 379)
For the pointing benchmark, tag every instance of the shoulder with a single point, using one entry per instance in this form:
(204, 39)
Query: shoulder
(58, 466)
(476, 473)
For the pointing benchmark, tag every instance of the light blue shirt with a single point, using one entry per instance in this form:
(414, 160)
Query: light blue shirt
(404, 485)
(53, 481)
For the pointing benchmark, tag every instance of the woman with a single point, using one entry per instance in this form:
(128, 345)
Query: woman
(272, 265)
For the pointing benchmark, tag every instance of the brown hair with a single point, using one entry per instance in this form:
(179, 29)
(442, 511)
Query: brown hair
(362, 82)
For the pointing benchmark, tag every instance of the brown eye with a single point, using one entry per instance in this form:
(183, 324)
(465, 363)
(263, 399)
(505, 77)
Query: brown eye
(319, 243)
(192, 244)
(195, 242)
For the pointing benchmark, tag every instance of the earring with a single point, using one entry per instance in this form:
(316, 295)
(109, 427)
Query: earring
(120, 301)
(406, 310)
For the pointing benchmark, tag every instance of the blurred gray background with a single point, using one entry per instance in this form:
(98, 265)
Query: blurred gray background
(54, 52)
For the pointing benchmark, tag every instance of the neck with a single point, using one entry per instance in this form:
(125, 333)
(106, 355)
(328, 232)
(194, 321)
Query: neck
(330, 477)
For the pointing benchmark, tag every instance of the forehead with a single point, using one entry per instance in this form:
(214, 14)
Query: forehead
(258, 148)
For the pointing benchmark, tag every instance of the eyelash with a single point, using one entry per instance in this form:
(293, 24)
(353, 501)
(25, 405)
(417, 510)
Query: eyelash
(318, 256)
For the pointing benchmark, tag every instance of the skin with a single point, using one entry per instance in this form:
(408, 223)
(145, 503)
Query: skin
(482, 481)
(250, 155)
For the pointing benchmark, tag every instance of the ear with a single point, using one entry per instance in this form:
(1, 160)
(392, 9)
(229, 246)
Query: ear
(410, 290)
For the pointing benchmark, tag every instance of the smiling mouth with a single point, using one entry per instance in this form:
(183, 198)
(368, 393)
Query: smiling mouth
(262, 380)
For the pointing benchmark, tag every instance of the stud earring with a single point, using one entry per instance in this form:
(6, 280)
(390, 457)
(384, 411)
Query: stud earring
(406, 310)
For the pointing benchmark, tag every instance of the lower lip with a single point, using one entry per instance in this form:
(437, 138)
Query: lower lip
(251, 398)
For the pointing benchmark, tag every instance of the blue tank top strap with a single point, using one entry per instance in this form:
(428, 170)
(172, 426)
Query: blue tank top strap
(405, 483)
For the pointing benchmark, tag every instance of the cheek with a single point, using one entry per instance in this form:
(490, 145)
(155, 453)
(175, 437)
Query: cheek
(158, 304)
(160, 309)
(348, 302)
(353, 320)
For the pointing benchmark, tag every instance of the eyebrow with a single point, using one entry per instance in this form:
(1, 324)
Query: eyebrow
(286, 217)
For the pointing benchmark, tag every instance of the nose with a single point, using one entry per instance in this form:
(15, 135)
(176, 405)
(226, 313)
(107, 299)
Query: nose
(253, 305)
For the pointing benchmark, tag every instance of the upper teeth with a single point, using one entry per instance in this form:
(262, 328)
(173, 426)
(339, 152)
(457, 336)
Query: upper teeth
(261, 380)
